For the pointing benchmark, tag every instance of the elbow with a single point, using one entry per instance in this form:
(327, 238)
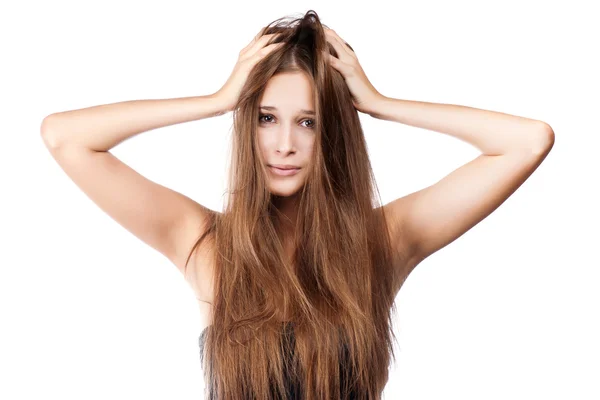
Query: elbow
(46, 131)
(545, 139)
(547, 134)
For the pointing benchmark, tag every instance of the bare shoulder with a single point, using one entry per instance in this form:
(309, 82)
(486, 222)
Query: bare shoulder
(199, 271)
(405, 254)
(400, 242)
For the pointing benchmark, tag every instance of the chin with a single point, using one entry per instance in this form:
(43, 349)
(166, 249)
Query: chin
(283, 193)
(285, 190)
(286, 187)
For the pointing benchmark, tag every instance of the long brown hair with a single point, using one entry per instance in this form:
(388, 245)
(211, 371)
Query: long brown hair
(340, 285)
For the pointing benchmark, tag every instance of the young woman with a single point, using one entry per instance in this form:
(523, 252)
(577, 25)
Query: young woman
(298, 275)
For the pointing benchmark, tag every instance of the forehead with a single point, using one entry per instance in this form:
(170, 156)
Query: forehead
(288, 92)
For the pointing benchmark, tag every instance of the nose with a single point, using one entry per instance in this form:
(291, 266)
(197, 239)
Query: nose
(285, 139)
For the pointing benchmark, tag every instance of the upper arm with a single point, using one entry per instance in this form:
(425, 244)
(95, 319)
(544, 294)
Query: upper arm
(433, 217)
(162, 218)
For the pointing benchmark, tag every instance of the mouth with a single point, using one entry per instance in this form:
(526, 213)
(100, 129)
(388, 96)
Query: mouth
(284, 171)
(284, 167)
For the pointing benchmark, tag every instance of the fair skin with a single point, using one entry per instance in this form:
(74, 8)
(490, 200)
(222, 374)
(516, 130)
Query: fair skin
(512, 147)
(422, 222)
(286, 136)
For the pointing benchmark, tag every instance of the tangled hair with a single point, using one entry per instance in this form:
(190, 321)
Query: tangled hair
(340, 285)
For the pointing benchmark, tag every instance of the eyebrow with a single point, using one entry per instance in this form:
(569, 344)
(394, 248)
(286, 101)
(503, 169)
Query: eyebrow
(310, 112)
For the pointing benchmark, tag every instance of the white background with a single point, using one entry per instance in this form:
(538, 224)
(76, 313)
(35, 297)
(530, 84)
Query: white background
(507, 311)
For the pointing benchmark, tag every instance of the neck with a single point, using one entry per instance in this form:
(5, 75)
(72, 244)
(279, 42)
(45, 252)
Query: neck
(288, 213)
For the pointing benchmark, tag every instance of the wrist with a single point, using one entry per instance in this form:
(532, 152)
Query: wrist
(377, 105)
(221, 106)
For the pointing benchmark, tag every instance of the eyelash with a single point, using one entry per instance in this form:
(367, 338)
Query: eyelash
(269, 115)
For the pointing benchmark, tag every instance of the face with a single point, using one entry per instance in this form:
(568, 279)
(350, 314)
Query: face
(286, 131)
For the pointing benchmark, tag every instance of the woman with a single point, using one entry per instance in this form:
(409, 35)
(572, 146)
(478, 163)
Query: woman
(298, 275)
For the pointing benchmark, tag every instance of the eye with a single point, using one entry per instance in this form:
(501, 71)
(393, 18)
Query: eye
(261, 116)
(312, 123)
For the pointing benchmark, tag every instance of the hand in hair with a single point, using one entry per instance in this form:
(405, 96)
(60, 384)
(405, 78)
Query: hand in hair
(365, 96)
(249, 56)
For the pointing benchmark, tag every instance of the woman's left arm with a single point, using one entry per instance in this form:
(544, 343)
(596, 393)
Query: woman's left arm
(512, 148)
(494, 133)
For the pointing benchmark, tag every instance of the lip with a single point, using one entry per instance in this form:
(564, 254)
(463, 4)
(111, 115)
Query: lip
(283, 166)
(284, 172)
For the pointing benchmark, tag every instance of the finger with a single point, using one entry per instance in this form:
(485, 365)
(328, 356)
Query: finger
(334, 34)
(266, 50)
(341, 56)
(342, 48)
(337, 64)
(258, 35)
(346, 47)
(341, 53)
(260, 43)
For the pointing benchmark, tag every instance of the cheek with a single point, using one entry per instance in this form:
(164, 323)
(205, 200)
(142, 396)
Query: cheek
(262, 148)
(310, 148)
(265, 144)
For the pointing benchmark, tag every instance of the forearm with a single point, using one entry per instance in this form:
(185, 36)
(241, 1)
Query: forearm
(104, 126)
(491, 132)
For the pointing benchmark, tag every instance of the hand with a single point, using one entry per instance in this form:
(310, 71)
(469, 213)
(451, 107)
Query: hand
(365, 96)
(248, 57)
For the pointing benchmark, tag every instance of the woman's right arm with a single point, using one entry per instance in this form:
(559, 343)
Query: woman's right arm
(164, 219)
(100, 128)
